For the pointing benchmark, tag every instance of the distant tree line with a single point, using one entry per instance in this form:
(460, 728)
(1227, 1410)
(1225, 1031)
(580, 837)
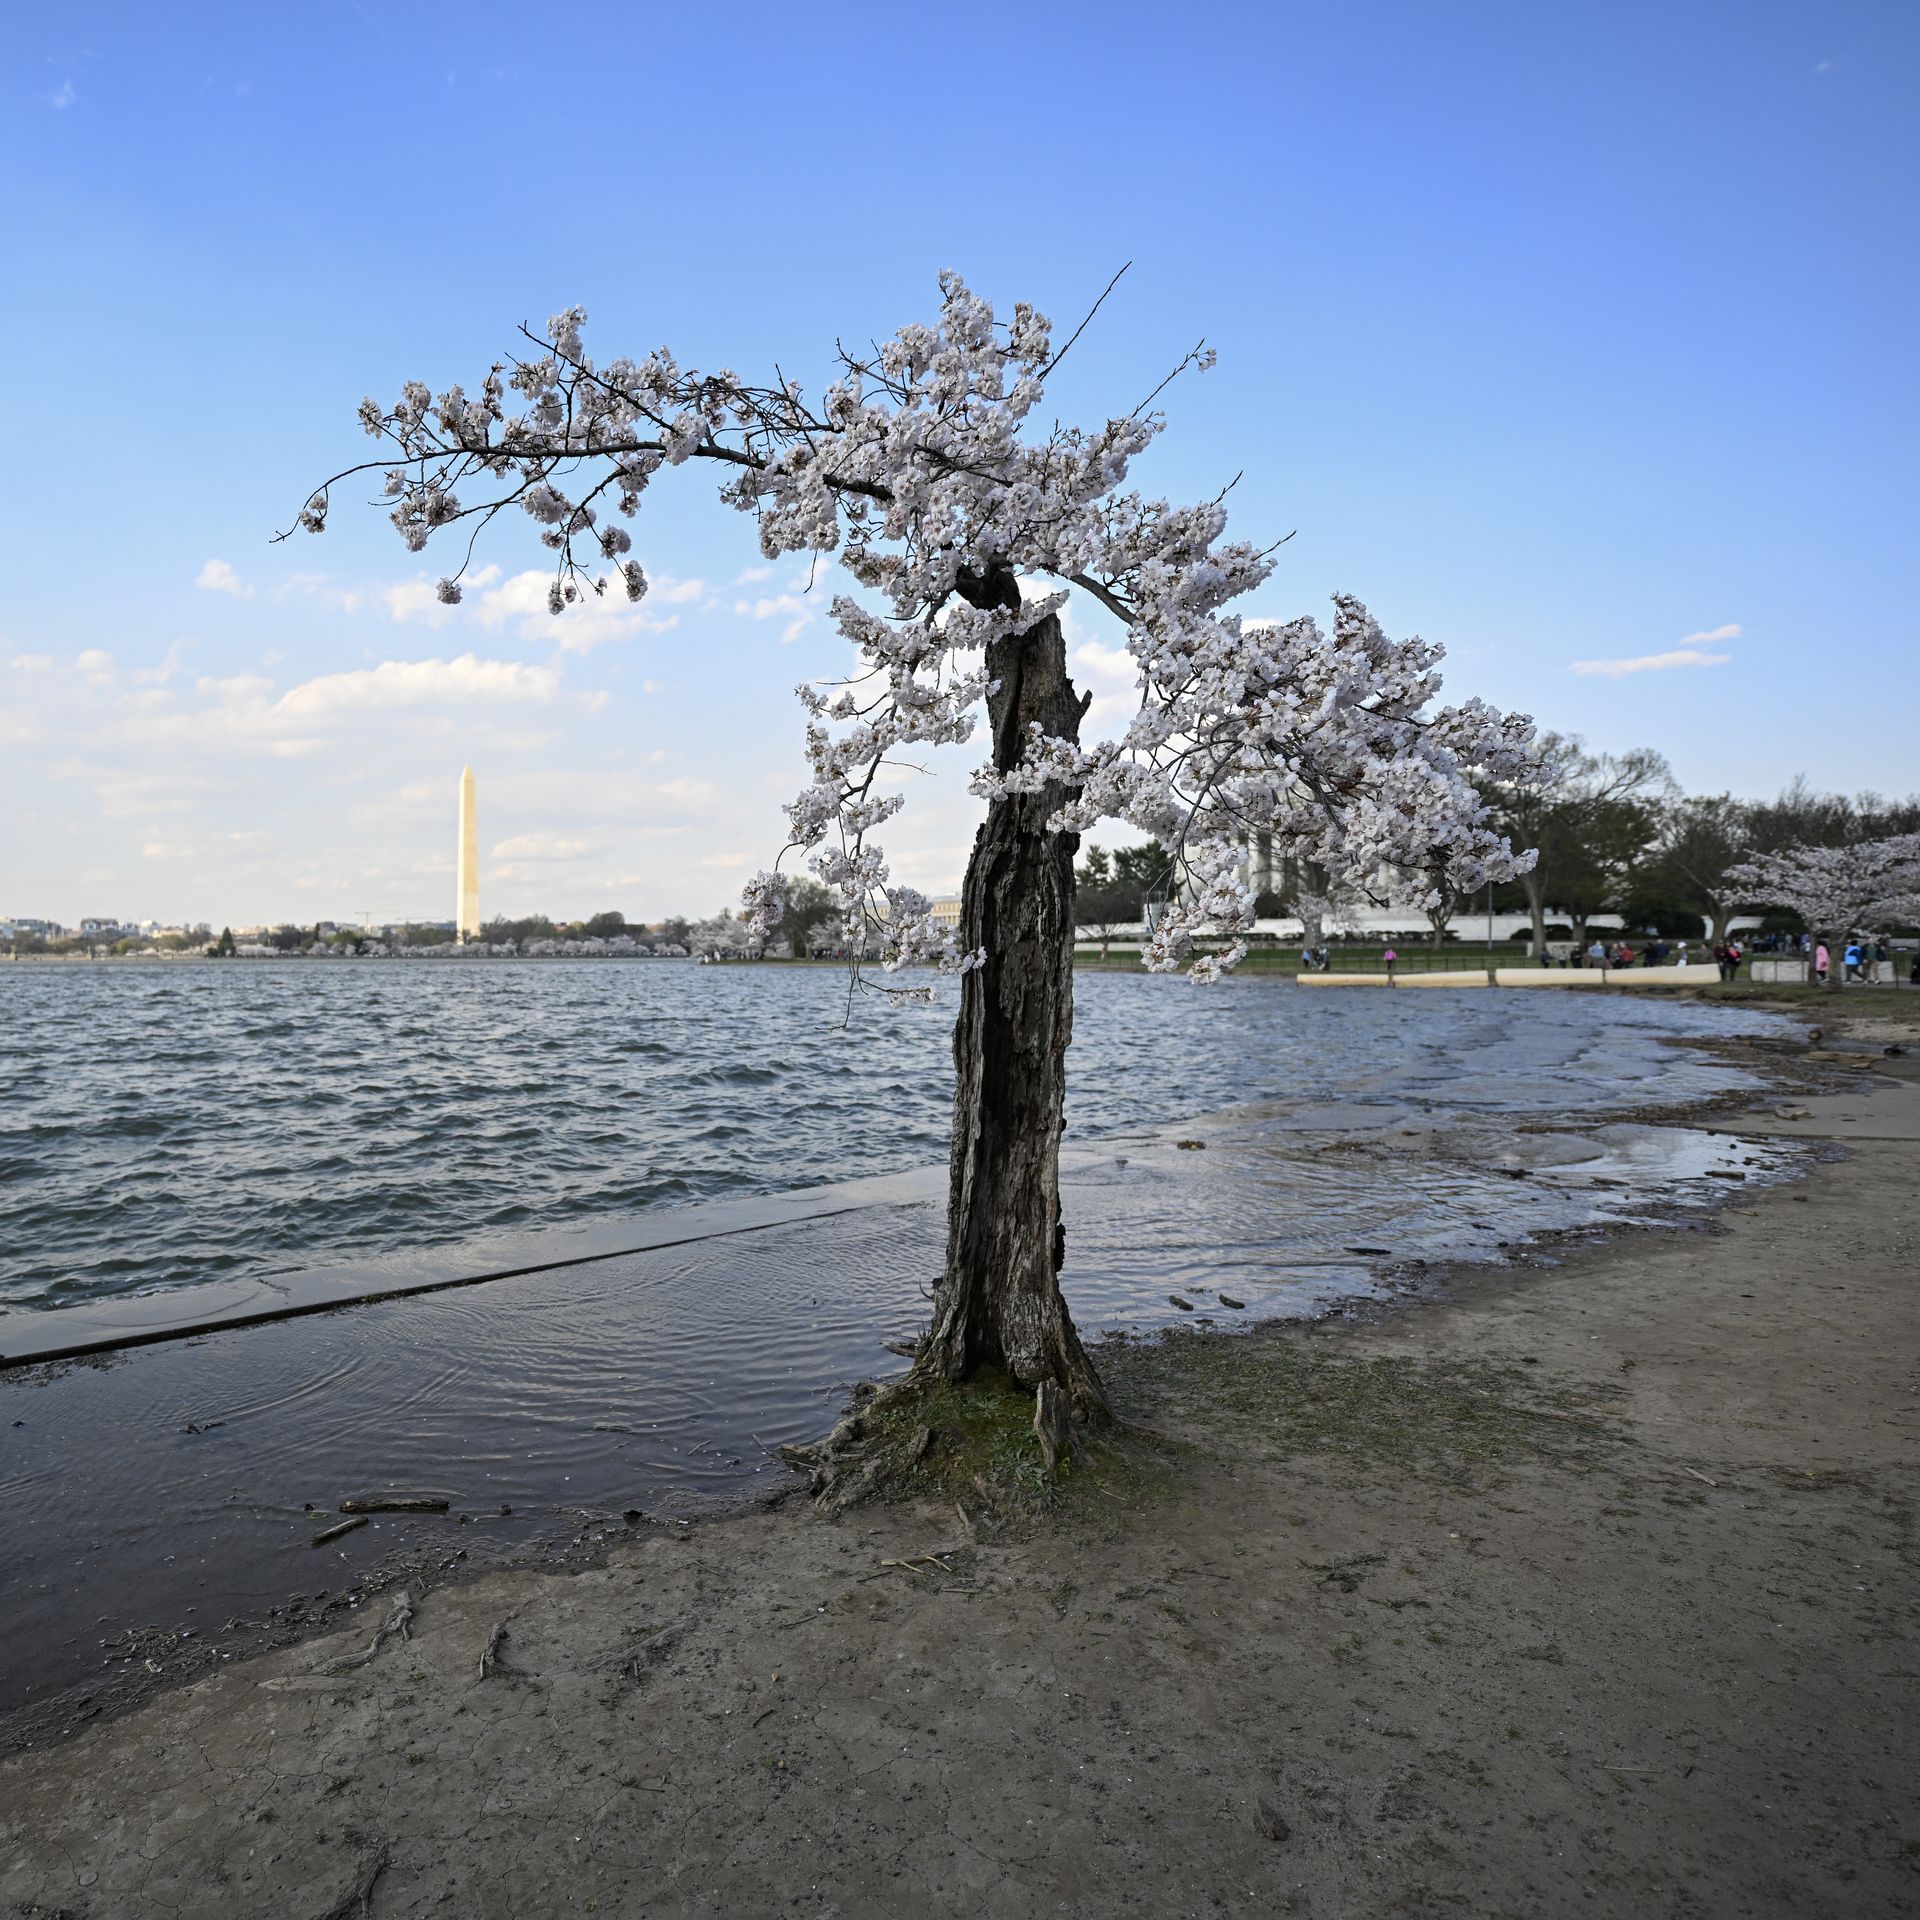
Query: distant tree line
(1614, 835)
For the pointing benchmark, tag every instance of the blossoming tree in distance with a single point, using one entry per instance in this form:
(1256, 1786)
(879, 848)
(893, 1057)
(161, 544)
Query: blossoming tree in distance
(926, 470)
(1838, 891)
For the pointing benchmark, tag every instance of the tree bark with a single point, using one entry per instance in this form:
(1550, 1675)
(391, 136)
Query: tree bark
(998, 1303)
(1313, 931)
(1537, 913)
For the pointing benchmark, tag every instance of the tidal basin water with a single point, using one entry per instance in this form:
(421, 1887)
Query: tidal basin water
(166, 1125)
(171, 1129)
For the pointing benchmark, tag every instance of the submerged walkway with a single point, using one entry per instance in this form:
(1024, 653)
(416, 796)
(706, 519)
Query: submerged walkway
(161, 1499)
(1589, 1594)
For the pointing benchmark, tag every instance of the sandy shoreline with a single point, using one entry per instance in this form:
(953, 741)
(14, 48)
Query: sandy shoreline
(1589, 1590)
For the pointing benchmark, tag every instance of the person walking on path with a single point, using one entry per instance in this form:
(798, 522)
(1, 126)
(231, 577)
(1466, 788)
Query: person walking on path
(1391, 957)
(1850, 963)
(1822, 962)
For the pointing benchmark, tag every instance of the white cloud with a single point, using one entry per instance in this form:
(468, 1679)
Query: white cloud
(1691, 652)
(777, 606)
(217, 576)
(160, 675)
(1653, 662)
(1112, 676)
(590, 622)
(749, 576)
(539, 846)
(696, 793)
(398, 683)
(64, 97)
(347, 599)
(521, 599)
(420, 599)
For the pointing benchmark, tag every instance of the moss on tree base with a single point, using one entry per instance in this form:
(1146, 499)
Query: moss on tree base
(973, 1443)
(1259, 1393)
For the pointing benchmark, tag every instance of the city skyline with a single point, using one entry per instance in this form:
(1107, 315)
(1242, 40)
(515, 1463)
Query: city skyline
(1600, 385)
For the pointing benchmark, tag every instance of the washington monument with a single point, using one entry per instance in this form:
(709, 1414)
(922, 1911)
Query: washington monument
(469, 903)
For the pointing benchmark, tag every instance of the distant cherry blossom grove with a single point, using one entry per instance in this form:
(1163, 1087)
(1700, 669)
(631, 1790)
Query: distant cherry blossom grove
(1853, 889)
(921, 461)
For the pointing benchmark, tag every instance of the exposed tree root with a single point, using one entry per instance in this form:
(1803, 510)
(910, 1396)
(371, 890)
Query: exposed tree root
(986, 1439)
(397, 1625)
(357, 1902)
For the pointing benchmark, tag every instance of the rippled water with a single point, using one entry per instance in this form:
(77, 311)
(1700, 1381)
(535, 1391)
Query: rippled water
(163, 1126)
(165, 1129)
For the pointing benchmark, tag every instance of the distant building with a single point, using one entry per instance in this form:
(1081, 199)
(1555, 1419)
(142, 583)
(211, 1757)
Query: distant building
(946, 913)
(104, 929)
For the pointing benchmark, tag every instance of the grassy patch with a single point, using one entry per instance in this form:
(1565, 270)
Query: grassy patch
(1280, 1394)
(974, 1443)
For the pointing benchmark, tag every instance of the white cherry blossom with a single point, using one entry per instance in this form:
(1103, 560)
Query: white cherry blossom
(926, 464)
(1860, 888)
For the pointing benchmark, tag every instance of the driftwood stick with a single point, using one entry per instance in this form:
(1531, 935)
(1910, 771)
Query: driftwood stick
(634, 1660)
(490, 1653)
(321, 1538)
(398, 1623)
(397, 1503)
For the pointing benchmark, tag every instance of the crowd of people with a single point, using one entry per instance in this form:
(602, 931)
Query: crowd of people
(1859, 958)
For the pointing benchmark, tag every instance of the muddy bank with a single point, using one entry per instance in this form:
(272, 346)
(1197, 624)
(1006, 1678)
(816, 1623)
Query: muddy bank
(162, 1504)
(1589, 1591)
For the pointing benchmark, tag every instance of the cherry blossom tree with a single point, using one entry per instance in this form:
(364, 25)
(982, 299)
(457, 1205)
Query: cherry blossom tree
(1577, 810)
(1837, 891)
(964, 522)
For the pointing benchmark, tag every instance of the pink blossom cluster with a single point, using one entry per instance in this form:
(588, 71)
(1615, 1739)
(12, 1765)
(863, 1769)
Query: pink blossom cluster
(922, 463)
(1850, 889)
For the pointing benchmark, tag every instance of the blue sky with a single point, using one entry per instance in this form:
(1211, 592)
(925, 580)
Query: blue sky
(1562, 335)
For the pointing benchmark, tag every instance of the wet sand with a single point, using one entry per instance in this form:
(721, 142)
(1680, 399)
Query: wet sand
(1591, 1589)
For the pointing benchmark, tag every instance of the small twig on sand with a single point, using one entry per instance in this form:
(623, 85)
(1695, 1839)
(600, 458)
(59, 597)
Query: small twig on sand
(966, 1519)
(398, 1623)
(490, 1653)
(1700, 1476)
(633, 1661)
(357, 1902)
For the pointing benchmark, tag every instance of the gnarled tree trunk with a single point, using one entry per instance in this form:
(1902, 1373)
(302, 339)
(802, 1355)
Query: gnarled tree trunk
(1536, 892)
(998, 1304)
